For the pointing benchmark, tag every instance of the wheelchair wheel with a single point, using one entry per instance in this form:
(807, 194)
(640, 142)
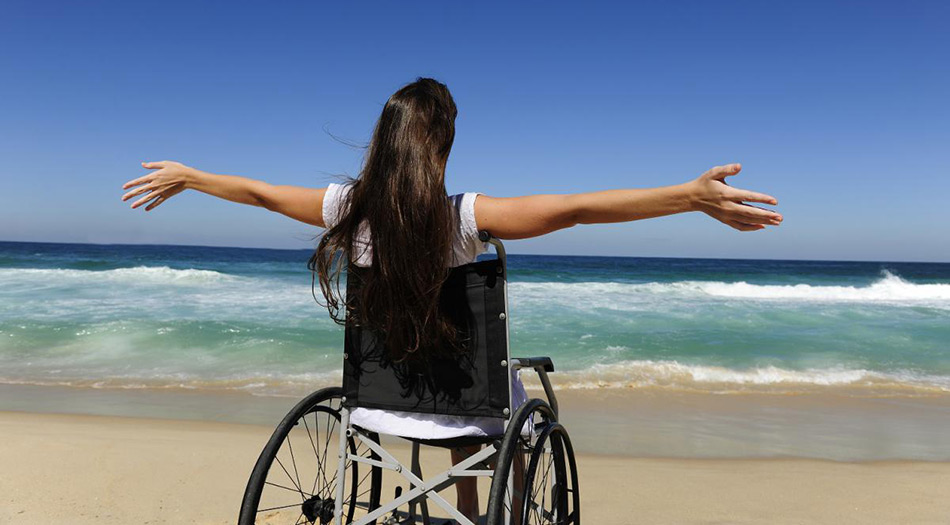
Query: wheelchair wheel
(295, 478)
(538, 452)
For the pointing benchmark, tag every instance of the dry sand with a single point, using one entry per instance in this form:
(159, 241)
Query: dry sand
(74, 469)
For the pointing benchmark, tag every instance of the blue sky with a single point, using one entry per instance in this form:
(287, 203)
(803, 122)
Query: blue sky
(839, 109)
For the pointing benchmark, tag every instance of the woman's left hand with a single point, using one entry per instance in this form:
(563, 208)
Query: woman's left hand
(168, 179)
(710, 194)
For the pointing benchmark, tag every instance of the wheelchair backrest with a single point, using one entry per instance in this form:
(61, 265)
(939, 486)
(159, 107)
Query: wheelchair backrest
(474, 383)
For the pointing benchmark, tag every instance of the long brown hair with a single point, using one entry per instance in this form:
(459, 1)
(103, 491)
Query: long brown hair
(400, 196)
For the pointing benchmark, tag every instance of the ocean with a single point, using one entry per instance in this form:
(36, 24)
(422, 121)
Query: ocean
(242, 319)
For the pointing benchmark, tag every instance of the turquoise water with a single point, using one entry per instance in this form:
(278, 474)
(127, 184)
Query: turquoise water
(234, 318)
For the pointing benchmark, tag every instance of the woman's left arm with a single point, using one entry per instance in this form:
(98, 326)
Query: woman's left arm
(171, 178)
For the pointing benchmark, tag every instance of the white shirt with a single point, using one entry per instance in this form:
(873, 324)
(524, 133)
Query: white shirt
(465, 248)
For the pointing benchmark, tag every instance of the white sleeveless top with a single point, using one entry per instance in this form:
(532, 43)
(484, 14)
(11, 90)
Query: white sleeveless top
(466, 247)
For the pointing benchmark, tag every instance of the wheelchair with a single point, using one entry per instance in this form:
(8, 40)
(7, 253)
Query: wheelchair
(319, 468)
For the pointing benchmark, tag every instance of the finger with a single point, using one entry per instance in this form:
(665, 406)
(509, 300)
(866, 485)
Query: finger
(154, 165)
(752, 220)
(156, 202)
(145, 199)
(138, 191)
(762, 215)
(141, 180)
(155, 185)
(752, 196)
(743, 226)
(164, 196)
(721, 172)
(169, 193)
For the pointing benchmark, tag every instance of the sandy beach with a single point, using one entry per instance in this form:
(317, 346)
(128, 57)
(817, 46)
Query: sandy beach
(71, 468)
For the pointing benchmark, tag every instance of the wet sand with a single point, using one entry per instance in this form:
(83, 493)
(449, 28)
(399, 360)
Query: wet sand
(95, 469)
(621, 422)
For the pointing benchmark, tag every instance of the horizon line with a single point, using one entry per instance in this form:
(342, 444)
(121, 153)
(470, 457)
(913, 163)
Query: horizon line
(509, 253)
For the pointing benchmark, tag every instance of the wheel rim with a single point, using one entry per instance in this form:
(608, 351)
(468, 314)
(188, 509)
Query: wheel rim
(545, 494)
(535, 441)
(301, 480)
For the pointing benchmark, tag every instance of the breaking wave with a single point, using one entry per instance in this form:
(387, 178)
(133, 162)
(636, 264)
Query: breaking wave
(672, 375)
(889, 288)
(137, 274)
(630, 375)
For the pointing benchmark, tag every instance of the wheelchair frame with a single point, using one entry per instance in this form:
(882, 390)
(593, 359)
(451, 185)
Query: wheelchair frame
(423, 489)
(429, 488)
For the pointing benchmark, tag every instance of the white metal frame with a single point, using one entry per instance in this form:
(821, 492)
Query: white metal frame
(475, 465)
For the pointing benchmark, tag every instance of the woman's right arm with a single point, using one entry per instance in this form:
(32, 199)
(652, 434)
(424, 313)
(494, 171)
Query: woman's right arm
(171, 178)
(534, 215)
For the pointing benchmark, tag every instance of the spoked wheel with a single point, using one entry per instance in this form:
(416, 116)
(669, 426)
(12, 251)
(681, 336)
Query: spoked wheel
(537, 452)
(295, 478)
(550, 487)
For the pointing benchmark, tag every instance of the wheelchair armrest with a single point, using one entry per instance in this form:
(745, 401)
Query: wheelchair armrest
(543, 363)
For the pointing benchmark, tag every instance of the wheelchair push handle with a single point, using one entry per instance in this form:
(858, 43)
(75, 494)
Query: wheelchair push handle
(486, 236)
(541, 365)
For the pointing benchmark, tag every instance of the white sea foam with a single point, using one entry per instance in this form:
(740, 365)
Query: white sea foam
(137, 274)
(716, 379)
(889, 288)
(642, 374)
(290, 384)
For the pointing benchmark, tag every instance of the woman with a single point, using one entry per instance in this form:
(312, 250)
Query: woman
(397, 210)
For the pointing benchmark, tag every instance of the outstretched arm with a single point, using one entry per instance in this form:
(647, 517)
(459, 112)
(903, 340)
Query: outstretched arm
(171, 178)
(534, 215)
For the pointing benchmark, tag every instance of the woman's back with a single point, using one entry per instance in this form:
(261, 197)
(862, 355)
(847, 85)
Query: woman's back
(466, 247)
(465, 243)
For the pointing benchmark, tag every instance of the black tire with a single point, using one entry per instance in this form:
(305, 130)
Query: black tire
(527, 451)
(572, 488)
(550, 486)
(284, 489)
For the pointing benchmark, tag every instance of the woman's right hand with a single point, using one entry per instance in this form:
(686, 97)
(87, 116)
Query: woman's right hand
(711, 195)
(169, 179)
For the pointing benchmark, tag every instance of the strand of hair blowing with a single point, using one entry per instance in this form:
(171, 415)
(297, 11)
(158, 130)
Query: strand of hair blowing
(400, 196)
